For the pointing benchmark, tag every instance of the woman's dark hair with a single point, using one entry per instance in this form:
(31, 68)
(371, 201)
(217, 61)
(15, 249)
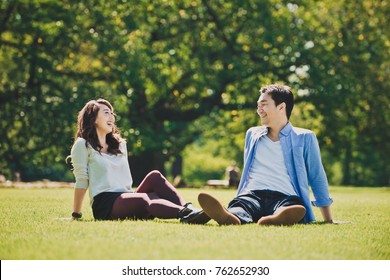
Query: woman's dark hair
(86, 127)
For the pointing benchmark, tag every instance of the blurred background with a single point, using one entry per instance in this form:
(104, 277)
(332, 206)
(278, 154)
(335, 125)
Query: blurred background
(184, 77)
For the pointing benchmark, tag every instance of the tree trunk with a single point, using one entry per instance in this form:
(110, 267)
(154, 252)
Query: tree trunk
(347, 166)
(177, 166)
(142, 164)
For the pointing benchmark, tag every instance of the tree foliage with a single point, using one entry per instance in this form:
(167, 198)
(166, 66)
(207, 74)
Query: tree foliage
(179, 70)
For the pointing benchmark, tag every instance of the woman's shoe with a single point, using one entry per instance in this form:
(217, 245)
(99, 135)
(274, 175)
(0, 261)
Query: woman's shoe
(192, 215)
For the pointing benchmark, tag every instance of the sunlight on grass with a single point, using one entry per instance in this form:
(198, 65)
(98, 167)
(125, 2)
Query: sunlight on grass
(30, 230)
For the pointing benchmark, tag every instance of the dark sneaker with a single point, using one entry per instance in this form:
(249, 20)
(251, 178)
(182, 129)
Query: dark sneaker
(287, 215)
(214, 209)
(193, 215)
(198, 218)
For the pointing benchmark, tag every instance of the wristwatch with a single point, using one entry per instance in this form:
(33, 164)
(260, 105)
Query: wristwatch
(77, 215)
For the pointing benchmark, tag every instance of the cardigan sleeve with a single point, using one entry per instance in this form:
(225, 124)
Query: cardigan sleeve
(79, 155)
(316, 173)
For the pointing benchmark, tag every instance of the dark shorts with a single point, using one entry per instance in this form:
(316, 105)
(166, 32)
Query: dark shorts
(251, 206)
(102, 205)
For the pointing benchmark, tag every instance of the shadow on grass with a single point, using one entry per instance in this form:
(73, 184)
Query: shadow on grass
(176, 222)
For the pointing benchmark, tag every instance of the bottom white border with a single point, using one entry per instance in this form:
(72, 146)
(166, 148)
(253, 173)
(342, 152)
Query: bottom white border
(179, 269)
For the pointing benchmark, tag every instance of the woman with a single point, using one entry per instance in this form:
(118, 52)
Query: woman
(99, 158)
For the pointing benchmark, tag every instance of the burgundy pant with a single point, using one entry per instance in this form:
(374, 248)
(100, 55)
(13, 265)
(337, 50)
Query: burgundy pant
(155, 197)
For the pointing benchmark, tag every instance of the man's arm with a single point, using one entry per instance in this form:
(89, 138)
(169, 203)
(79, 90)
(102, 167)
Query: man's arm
(326, 214)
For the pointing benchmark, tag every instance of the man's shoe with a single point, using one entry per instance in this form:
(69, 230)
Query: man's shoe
(288, 215)
(214, 209)
(191, 215)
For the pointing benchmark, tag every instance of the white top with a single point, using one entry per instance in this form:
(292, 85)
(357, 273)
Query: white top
(268, 170)
(100, 172)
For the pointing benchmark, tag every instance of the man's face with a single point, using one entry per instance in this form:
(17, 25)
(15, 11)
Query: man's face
(268, 112)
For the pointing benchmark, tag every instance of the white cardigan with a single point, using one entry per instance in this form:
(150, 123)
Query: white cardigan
(100, 172)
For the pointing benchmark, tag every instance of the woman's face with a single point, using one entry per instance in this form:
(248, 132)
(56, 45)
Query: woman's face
(105, 120)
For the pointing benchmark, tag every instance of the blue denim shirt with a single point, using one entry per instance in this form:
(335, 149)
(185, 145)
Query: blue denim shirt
(303, 162)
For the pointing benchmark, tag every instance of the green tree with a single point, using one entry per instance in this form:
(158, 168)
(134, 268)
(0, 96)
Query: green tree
(348, 62)
(177, 70)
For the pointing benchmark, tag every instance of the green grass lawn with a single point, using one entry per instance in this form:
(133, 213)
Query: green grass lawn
(29, 230)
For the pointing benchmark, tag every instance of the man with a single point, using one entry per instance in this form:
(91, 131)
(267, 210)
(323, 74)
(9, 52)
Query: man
(232, 173)
(280, 162)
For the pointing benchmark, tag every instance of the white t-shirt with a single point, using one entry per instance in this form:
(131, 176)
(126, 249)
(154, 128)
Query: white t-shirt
(268, 170)
(100, 172)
